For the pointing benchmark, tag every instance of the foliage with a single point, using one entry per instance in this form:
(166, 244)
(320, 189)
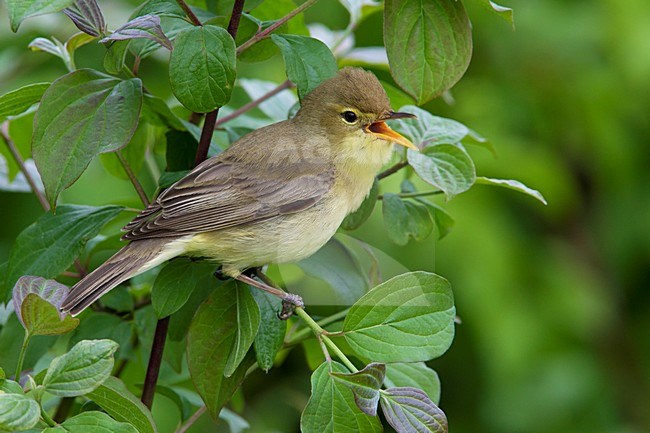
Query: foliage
(230, 331)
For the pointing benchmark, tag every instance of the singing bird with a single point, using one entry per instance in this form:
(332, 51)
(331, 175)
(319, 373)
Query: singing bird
(276, 195)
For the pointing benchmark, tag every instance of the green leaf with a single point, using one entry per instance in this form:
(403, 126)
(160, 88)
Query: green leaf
(214, 342)
(308, 61)
(502, 11)
(18, 412)
(167, 179)
(21, 9)
(416, 375)
(247, 324)
(87, 16)
(429, 45)
(337, 265)
(81, 115)
(512, 184)
(3, 376)
(19, 100)
(447, 167)
(358, 217)
(50, 245)
(409, 410)
(133, 153)
(405, 219)
(86, 366)
(49, 290)
(92, 422)
(181, 151)
(270, 334)
(429, 130)
(12, 336)
(145, 26)
(115, 57)
(202, 68)
(121, 404)
(331, 407)
(408, 318)
(365, 385)
(444, 221)
(42, 318)
(10, 387)
(173, 287)
(156, 112)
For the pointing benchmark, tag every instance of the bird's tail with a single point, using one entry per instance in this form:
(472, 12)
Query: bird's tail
(131, 260)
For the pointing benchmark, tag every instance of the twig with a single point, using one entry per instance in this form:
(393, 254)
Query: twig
(301, 334)
(155, 359)
(191, 420)
(270, 29)
(160, 335)
(133, 178)
(252, 104)
(4, 132)
(391, 170)
(413, 194)
(189, 13)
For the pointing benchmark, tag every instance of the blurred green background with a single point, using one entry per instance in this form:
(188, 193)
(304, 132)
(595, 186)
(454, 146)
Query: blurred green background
(555, 300)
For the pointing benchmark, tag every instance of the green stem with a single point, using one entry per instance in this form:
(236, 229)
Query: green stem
(414, 194)
(48, 420)
(323, 322)
(320, 333)
(21, 356)
(133, 178)
(270, 29)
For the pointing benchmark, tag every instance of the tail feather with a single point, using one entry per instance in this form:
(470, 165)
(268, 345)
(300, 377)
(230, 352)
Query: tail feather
(128, 262)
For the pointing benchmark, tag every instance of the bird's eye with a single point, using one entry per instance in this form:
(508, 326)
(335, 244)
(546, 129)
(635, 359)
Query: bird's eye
(349, 116)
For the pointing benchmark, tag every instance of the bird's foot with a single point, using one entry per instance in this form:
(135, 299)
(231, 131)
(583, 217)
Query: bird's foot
(220, 275)
(290, 301)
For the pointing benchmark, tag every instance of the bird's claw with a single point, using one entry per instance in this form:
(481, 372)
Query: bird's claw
(290, 302)
(219, 274)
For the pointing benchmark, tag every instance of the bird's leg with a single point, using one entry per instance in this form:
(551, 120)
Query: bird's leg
(290, 301)
(219, 274)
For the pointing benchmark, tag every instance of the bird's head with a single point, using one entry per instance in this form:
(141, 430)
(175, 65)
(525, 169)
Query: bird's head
(352, 107)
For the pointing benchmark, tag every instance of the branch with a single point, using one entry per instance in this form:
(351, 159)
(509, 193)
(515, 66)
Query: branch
(391, 170)
(252, 104)
(270, 29)
(191, 420)
(133, 178)
(189, 13)
(413, 194)
(160, 335)
(4, 132)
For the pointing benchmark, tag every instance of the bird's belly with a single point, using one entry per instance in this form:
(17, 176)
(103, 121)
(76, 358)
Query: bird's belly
(282, 239)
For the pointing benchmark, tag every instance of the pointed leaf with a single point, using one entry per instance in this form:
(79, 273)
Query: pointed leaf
(87, 16)
(81, 115)
(19, 100)
(429, 130)
(444, 221)
(429, 45)
(202, 68)
(512, 184)
(247, 323)
(18, 412)
(121, 404)
(21, 9)
(405, 219)
(86, 366)
(308, 61)
(212, 342)
(42, 318)
(146, 26)
(49, 290)
(337, 265)
(270, 335)
(447, 167)
(358, 217)
(502, 11)
(408, 318)
(416, 375)
(50, 245)
(331, 407)
(409, 410)
(115, 57)
(365, 385)
(173, 287)
(53, 47)
(92, 422)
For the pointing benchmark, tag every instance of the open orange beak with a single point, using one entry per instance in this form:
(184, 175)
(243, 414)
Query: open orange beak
(381, 130)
